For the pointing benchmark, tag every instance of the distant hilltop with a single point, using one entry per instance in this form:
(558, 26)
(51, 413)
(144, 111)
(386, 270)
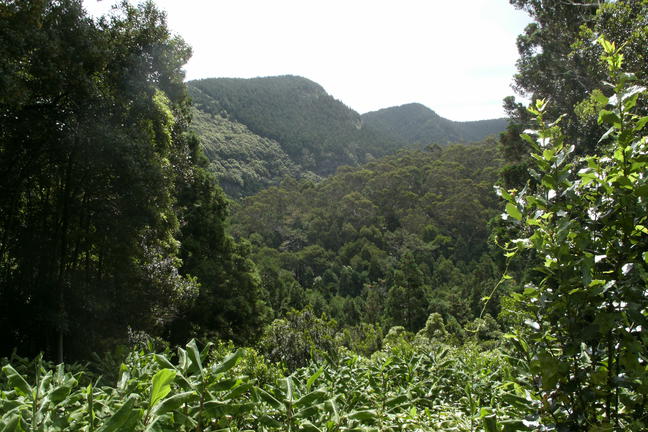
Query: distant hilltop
(257, 131)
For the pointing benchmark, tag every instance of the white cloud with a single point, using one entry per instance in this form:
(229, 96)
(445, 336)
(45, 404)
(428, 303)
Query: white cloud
(455, 57)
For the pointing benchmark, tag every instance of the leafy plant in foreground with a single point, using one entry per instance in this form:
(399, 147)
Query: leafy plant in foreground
(584, 346)
(407, 387)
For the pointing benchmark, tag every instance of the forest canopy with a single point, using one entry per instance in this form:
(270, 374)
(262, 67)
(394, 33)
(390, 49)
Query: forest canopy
(106, 206)
(499, 286)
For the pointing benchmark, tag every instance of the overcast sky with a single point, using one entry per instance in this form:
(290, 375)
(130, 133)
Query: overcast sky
(456, 57)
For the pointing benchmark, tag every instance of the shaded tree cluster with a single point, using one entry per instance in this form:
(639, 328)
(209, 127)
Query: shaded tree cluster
(103, 193)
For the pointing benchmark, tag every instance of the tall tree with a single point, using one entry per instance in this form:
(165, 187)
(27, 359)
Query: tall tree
(228, 297)
(406, 304)
(97, 176)
(585, 308)
(559, 60)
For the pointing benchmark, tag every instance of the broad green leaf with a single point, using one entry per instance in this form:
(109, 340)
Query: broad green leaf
(216, 409)
(312, 378)
(512, 210)
(161, 385)
(174, 402)
(608, 46)
(229, 362)
(641, 123)
(122, 419)
(332, 407)
(267, 397)
(516, 401)
(503, 193)
(266, 420)
(609, 118)
(183, 360)
(16, 381)
(599, 97)
(59, 394)
(239, 390)
(194, 355)
(309, 411)
(363, 415)
(630, 102)
(548, 154)
(163, 361)
(395, 401)
(123, 379)
(288, 383)
(315, 396)
(641, 228)
(224, 384)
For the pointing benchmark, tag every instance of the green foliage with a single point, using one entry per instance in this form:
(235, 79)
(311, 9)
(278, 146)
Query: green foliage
(406, 388)
(108, 217)
(386, 243)
(283, 125)
(363, 339)
(299, 338)
(242, 161)
(91, 152)
(258, 131)
(559, 61)
(583, 345)
(418, 126)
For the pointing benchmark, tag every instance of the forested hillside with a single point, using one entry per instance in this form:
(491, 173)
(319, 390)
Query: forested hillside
(367, 280)
(408, 229)
(242, 161)
(315, 131)
(419, 126)
(258, 131)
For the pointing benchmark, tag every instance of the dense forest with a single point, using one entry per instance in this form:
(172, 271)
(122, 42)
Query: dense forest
(409, 229)
(259, 131)
(252, 255)
(418, 126)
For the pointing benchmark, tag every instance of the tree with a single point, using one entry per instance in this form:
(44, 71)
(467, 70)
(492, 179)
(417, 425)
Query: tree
(299, 338)
(97, 178)
(406, 305)
(228, 297)
(585, 309)
(91, 114)
(559, 60)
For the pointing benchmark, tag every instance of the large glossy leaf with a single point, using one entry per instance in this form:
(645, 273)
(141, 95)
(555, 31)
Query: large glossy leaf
(161, 385)
(228, 363)
(313, 397)
(16, 381)
(194, 355)
(124, 419)
(174, 402)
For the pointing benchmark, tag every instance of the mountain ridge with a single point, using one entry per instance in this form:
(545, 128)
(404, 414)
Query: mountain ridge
(257, 131)
(419, 125)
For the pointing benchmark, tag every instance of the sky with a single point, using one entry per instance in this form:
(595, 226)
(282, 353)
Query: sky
(455, 57)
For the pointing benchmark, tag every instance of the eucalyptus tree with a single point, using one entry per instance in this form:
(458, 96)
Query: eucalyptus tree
(100, 181)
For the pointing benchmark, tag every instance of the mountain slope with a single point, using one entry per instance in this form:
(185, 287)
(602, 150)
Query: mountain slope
(258, 131)
(418, 126)
(361, 244)
(242, 161)
(317, 131)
